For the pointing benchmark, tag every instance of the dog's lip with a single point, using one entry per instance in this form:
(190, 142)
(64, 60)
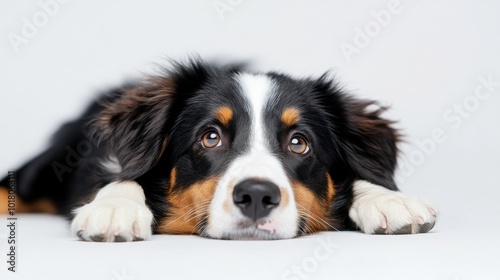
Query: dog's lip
(267, 226)
(246, 224)
(260, 229)
(250, 233)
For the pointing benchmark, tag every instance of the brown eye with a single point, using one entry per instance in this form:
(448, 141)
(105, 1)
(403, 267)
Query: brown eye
(211, 139)
(298, 145)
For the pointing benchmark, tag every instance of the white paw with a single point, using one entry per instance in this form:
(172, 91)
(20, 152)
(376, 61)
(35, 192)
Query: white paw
(117, 214)
(378, 210)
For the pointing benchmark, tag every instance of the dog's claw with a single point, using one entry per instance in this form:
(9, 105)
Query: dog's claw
(97, 238)
(404, 230)
(119, 238)
(426, 227)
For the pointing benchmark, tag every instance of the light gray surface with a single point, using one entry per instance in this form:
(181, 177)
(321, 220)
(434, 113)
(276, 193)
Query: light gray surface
(47, 251)
(430, 57)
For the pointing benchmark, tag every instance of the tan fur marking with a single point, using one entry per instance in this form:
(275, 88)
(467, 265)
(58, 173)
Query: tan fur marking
(173, 178)
(188, 207)
(313, 208)
(38, 206)
(331, 188)
(290, 116)
(224, 115)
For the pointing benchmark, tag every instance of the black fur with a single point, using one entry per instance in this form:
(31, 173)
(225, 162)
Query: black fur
(152, 126)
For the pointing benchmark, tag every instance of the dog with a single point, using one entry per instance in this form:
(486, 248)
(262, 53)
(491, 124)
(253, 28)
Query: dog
(225, 153)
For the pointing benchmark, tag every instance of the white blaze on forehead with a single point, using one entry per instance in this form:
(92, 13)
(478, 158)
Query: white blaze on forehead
(259, 161)
(257, 90)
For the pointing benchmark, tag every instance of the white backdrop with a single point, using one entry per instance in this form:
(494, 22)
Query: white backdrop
(437, 63)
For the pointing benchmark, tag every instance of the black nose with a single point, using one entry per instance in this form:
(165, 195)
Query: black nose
(256, 198)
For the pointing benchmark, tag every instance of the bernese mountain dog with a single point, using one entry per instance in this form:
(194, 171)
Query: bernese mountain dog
(226, 153)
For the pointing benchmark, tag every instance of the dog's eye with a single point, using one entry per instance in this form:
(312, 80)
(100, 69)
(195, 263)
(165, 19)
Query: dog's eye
(298, 145)
(211, 139)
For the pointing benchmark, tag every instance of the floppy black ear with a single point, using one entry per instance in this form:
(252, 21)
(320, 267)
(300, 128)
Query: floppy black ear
(363, 141)
(133, 127)
(372, 151)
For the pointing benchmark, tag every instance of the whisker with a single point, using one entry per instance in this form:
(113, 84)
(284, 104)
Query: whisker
(306, 212)
(188, 215)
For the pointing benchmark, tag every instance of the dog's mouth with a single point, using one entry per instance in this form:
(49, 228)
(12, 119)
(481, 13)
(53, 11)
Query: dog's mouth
(263, 229)
(251, 233)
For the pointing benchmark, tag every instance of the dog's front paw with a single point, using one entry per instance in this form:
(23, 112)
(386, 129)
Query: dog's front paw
(117, 214)
(113, 220)
(378, 210)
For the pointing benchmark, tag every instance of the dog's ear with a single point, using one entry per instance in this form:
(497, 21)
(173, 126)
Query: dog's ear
(372, 143)
(133, 126)
(363, 141)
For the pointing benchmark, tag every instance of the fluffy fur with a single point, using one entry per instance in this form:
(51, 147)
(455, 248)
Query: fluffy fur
(225, 153)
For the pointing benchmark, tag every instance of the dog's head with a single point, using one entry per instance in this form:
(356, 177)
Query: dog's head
(229, 154)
